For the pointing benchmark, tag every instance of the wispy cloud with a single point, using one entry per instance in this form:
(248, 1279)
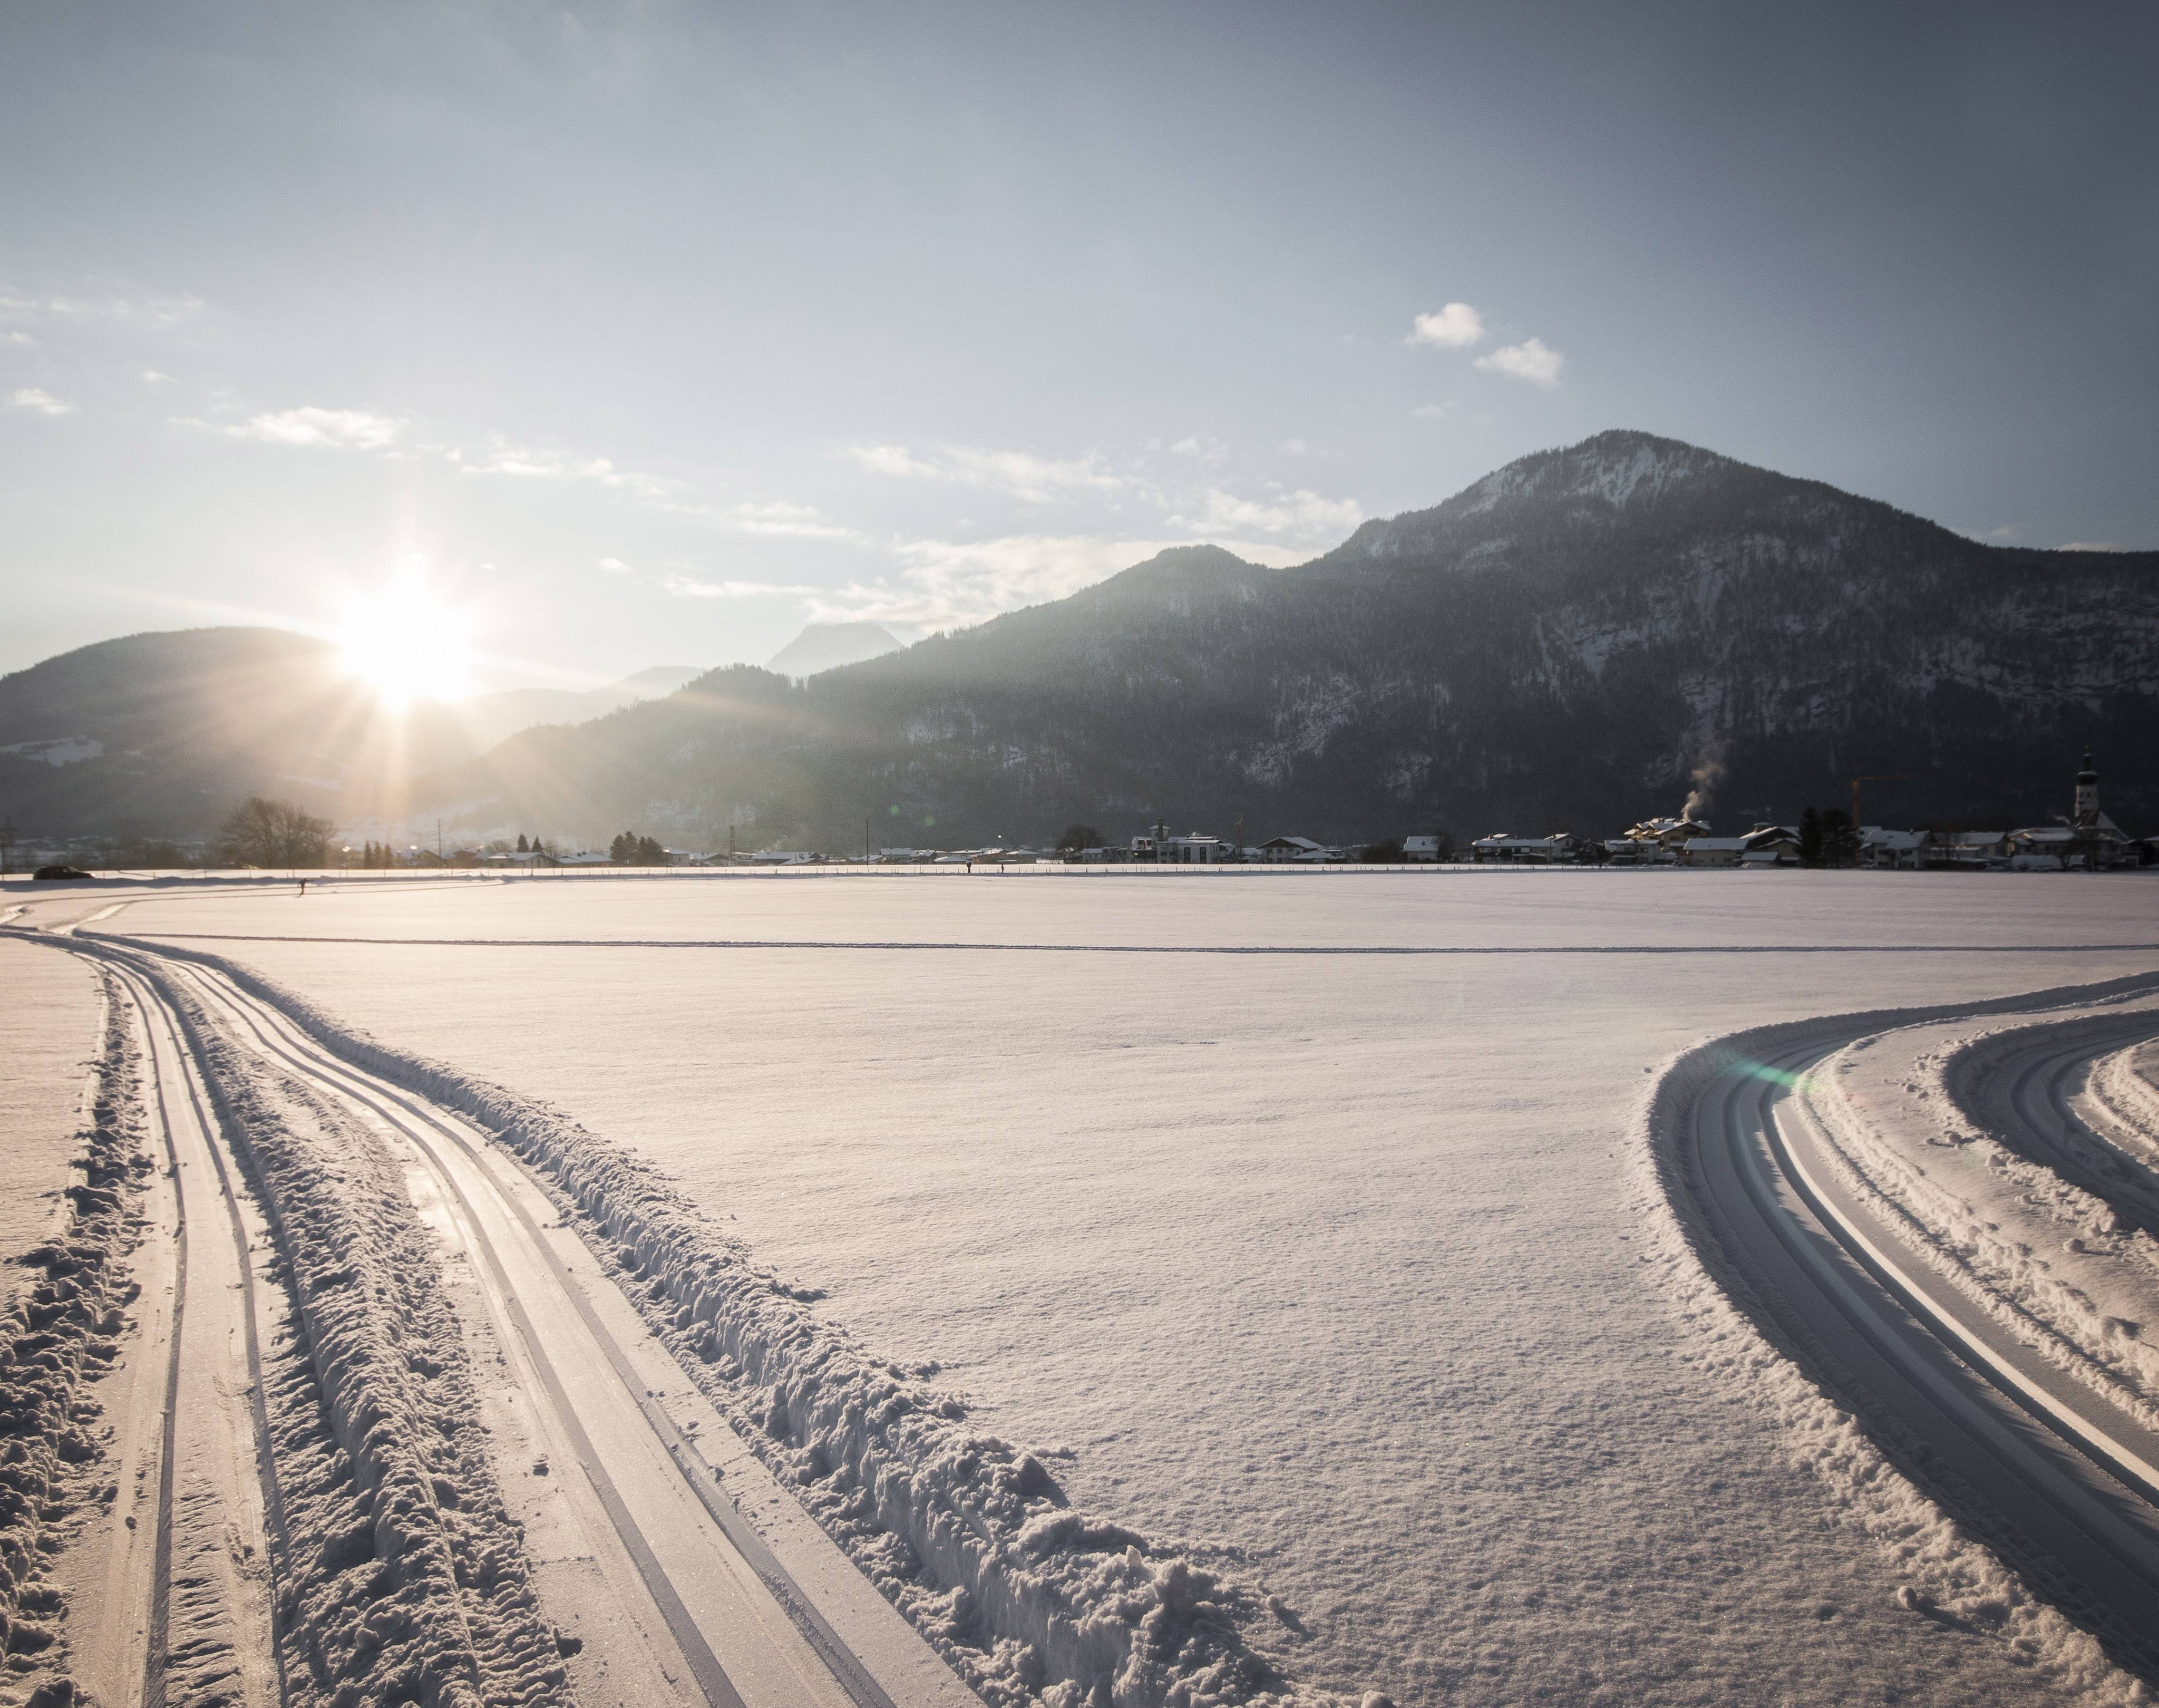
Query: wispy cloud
(793, 520)
(40, 400)
(2091, 546)
(1019, 474)
(346, 429)
(690, 587)
(1430, 411)
(152, 376)
(154, 310)
(1455, 326)
(613, 566)
(954, 584)
(1201, 450)
(1531, 359)
(1302, 512)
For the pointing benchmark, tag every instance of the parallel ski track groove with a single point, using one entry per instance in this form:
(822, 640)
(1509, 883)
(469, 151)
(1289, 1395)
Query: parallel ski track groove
(1941, 1385)
(824, 1642)
(156, 1011)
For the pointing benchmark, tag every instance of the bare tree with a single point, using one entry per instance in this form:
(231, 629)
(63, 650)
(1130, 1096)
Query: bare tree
(273, 833)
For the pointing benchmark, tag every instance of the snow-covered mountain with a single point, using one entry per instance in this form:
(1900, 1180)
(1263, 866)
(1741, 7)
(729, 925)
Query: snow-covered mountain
(1578, 639)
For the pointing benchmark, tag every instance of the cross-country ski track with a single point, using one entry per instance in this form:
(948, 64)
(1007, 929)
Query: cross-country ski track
(636, 1499)
(2062, 1483)
(630, 1486)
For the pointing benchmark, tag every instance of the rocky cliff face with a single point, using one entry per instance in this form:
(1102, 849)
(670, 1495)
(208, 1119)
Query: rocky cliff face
(1581, 638)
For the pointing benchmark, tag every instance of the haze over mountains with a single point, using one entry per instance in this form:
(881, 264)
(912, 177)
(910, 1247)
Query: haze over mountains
(490, 718)
(1576, 640)
(825, 646)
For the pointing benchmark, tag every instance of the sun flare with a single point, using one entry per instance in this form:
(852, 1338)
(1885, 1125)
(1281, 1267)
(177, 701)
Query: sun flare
(405, 642)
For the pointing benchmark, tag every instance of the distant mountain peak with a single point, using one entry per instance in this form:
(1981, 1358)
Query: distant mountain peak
(1621, 467)
(826, 646)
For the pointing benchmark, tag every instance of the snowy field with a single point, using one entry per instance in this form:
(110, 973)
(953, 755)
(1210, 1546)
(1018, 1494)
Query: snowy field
(48, 1025)
(1326, 1260)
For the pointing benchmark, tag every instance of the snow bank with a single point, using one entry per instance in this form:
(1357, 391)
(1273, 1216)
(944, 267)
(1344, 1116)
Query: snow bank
(1947, 1570)
(400, 1577)
(972, 1539)
(60, 1333)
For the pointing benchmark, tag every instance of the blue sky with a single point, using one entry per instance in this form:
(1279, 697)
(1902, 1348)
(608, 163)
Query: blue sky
(645, 332)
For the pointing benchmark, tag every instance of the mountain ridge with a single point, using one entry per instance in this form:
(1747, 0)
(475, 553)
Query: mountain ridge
(1576, 639)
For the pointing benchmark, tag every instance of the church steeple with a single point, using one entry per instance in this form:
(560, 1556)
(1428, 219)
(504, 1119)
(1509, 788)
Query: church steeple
(2086, 813)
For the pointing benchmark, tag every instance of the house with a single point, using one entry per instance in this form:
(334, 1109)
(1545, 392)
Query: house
(1770, 845)
(1421, 848)
(1193, 850)
(1658, 841)
(1898, 851)
(1281, 850)
(1536, 851)
(1712, 850)
(1968, 850)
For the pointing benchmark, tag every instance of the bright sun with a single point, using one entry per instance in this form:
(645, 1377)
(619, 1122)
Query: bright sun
(405, 642)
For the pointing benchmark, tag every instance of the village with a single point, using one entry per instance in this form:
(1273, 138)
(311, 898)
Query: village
(2083, 840)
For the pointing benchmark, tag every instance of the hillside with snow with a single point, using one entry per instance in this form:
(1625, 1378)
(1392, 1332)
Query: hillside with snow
(1575, 641)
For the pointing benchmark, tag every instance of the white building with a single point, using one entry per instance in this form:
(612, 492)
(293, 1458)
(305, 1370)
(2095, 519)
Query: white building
(1421, 848)
(1281, 850)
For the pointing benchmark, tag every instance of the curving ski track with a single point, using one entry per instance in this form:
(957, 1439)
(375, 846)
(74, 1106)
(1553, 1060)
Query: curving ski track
(2064, 1486)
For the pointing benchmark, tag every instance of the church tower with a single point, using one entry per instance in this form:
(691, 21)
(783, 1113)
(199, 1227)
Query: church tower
(2086, 813)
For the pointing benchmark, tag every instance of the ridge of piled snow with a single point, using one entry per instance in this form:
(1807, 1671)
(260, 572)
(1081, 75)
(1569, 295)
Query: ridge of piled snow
(400, 1575)
(59, 1333)
(1947, 1568)
(970, 1537)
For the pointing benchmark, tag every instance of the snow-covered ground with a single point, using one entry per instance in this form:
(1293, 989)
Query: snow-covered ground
(1326, 1260)
(50, 1012)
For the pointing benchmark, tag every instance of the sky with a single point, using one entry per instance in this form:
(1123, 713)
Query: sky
(621, 336)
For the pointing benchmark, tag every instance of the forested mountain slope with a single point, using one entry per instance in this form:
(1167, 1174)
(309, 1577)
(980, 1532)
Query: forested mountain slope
(1566, 643)
(164, 734)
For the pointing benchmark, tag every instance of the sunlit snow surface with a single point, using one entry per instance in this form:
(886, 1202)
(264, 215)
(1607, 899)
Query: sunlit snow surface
(1328, 1259)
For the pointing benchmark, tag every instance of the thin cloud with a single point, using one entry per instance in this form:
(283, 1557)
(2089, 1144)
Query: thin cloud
(1456, 326)
(1019, 474)
(777, 517)
(153, 310)
(954, 584)
(1430, 411)
(151, 376)
(1531, 359)
(345, 429)
(2091, 546)
(1302, 512)
(40, 400)
(689, 586)
(506, 457)
(613, 566)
